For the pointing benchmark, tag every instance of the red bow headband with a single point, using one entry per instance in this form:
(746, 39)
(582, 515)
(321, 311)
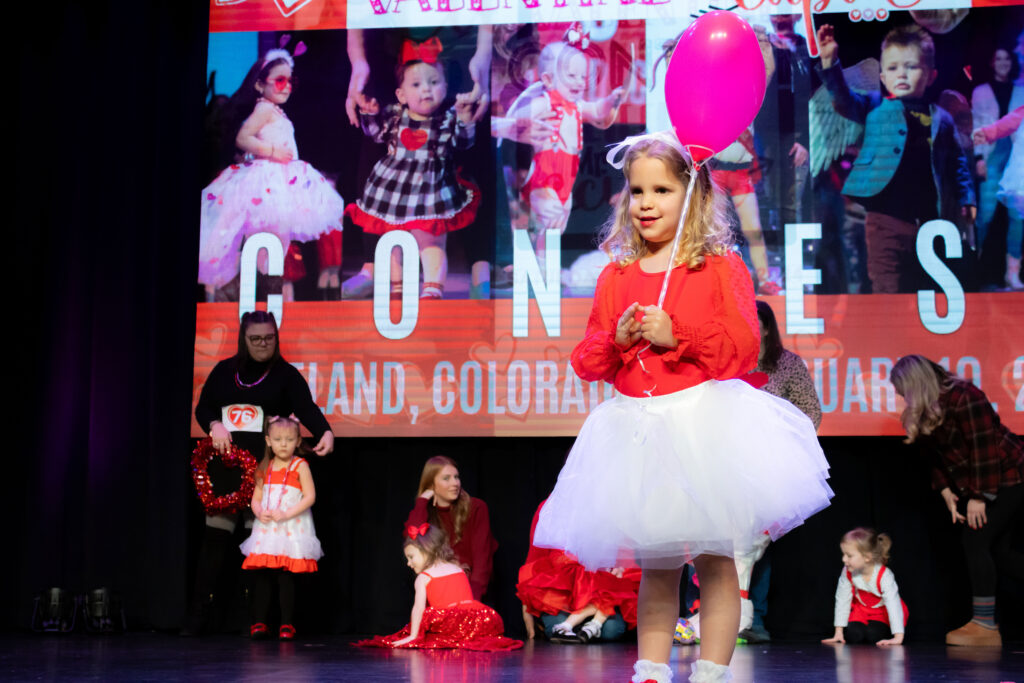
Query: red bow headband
(428, 51)
(575, 37)
(414, 531)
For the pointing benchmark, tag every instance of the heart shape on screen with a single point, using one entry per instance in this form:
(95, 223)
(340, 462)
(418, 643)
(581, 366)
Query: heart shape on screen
(413, 139)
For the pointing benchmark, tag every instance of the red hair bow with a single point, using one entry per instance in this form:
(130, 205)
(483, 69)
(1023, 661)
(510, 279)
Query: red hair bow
(428, 51)
(575, 37)
(413, 531)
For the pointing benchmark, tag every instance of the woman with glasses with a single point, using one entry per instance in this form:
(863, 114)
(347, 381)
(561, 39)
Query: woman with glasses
(240, 392)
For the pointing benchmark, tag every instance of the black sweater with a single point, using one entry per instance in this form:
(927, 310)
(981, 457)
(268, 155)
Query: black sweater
(282, 392)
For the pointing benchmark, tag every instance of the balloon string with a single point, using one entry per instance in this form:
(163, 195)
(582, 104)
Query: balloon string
(671, 264)
(675, 239)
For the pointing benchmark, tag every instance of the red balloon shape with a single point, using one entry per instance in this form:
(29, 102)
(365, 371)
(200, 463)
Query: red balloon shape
(715, 82)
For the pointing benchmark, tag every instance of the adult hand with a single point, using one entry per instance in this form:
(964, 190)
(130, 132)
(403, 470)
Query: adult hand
(951, 499)
(480, 69)
(360, 74)
(627, 331)
(470, 107)
(221, 436)
(403, 641)
(895, 640)
(800, 154)
(428, 494)
(365, 104)
(325, 445)
(656, 327)
(976, 513)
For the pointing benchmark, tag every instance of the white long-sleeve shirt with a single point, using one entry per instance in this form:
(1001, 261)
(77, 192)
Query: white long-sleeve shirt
(869, 585)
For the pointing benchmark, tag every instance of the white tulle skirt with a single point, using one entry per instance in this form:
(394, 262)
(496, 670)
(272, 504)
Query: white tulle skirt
(659, 481)
(292, 201)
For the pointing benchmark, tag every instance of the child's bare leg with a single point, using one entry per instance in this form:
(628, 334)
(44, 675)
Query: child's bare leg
(719, 607)
(658, 612)
(433, 257)
(750, 223)
(396, 271)
(579, 616)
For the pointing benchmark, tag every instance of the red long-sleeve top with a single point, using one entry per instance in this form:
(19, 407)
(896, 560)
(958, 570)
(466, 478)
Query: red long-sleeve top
(713, 319)
(475, 549)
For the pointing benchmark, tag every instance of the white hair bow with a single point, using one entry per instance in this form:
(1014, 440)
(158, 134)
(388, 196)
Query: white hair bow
(666, 136)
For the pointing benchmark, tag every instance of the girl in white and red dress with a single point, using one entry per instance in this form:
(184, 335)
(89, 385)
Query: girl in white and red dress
(444, 613)
(283, 540)
(415, 187)
(868, 604)
(271, 190)
(686, 463)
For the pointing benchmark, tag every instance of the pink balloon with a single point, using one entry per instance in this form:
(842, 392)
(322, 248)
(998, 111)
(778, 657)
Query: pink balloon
(715, 82)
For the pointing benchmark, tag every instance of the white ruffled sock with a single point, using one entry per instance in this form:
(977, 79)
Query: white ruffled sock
(703, 671)
(646, 670)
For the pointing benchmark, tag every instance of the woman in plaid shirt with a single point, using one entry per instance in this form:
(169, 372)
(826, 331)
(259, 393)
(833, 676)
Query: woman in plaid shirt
(975, 459)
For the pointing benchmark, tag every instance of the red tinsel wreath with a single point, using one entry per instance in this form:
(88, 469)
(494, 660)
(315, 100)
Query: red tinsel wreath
(233, 457)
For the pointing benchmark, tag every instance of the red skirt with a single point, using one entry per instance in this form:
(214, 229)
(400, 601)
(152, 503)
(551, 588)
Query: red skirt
(473, 626)
(556, 583)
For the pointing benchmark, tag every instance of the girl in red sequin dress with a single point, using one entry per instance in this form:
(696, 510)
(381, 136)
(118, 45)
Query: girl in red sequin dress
(444, 613)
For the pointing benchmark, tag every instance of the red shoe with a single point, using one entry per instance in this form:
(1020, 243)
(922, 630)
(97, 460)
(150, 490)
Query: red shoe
(287, 632)
(258, 631)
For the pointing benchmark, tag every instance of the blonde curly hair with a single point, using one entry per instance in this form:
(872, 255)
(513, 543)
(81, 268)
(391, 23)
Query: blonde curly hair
(706, 228)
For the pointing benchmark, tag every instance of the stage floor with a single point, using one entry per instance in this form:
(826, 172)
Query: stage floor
(156, 657)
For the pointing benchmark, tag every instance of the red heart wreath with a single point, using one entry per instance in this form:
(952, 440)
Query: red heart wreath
(233, 457)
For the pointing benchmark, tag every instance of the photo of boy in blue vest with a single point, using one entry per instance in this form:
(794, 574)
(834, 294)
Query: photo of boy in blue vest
(911, 167)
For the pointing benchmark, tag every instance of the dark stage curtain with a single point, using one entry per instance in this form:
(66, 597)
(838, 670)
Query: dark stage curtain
(110, 99)
(109, 102)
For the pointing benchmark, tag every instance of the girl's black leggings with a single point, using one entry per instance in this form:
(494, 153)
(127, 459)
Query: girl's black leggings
(262, 582)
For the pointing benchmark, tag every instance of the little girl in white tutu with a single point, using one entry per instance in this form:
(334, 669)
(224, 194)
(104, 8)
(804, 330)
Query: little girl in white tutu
(686, 463)
(271, 190)
(283, 541)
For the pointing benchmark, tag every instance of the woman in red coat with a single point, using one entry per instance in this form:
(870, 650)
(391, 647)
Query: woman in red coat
(441, 501)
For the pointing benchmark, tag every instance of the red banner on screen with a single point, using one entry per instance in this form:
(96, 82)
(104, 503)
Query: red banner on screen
(276, 15)
(462, 373)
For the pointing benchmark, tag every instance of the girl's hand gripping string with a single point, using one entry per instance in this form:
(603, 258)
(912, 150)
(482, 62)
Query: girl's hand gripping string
(656, 327)
(627, 331)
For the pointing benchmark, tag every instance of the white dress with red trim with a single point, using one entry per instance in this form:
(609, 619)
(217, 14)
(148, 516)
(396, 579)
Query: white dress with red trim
(291, 545)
